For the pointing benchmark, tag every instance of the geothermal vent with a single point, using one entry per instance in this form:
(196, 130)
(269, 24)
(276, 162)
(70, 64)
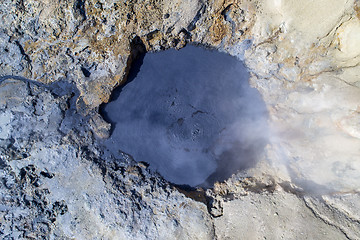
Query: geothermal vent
(191, 114)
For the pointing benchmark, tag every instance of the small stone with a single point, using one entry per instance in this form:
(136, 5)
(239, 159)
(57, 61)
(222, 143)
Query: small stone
(9, 182)
(215, 206)
(100, 127)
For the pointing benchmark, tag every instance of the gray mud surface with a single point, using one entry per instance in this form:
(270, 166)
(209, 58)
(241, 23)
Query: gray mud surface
(190, 114)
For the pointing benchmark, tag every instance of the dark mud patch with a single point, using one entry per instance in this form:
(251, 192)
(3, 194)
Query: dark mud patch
(191, 114)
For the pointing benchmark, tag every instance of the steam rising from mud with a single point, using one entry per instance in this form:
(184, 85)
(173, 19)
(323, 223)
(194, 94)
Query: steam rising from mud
(190, 114)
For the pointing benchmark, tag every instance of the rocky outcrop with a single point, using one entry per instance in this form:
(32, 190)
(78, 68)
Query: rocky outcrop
(60, 60)
(57, 183)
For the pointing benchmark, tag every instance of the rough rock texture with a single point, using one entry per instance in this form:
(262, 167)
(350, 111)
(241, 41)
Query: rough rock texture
(65, 57)
(57, 184)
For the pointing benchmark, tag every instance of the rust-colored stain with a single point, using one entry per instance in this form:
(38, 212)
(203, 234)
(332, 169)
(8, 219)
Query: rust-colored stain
(357, 9)
(218, 29)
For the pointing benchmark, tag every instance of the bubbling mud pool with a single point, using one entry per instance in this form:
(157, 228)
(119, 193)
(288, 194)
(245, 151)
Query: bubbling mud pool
(191, 114)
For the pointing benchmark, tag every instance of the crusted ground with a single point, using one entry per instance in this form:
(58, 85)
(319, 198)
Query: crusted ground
(60, 60)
